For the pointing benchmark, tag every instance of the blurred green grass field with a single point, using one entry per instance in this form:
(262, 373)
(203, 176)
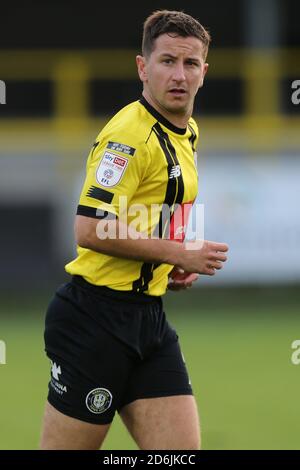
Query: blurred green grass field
(237, 345)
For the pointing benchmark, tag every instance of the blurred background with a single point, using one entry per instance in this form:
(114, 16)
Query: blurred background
(67, 69)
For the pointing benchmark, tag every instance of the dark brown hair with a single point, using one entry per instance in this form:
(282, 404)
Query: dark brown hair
(177, 22)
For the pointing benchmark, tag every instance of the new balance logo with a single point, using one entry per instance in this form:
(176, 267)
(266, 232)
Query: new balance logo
(55, 370)
(175, 172)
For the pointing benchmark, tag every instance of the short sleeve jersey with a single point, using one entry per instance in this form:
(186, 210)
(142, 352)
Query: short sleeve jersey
(139, 165)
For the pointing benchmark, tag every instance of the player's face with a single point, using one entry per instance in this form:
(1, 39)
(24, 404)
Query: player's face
(173, 73)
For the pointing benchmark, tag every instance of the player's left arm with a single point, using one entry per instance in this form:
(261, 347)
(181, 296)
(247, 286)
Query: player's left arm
(180, 279)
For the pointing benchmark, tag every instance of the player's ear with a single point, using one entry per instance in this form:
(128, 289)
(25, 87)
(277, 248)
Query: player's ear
(141, 66)
(206, 65)
(204, 72)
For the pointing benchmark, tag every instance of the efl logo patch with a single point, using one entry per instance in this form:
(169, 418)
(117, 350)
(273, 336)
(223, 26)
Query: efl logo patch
(111, 169)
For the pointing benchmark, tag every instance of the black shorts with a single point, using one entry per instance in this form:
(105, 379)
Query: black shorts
(108, 349)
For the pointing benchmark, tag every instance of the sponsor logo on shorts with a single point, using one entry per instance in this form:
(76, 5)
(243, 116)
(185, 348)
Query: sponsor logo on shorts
(54, 383)
(98, 400)
(55, 370)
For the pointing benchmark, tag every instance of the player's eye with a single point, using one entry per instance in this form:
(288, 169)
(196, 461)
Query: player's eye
(191, 62)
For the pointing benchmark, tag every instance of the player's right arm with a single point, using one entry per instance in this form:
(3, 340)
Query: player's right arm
(195, 257)
(110, 177)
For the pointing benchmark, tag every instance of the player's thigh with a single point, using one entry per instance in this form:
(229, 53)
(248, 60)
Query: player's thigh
(88, 374)
(163, 423)
(63, 432)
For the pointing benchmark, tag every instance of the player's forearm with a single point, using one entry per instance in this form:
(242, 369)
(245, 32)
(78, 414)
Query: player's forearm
(124, 243)
(149, 250)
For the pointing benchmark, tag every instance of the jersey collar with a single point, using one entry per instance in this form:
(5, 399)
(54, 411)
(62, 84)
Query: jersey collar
(160, 118)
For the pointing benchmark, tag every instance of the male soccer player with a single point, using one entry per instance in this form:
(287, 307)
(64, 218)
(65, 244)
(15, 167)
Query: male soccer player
(107, 336)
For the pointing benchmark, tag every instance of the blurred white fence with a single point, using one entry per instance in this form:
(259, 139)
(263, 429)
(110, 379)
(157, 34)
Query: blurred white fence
(251, 203)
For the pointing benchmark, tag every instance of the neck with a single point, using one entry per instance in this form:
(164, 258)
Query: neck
(178, 120)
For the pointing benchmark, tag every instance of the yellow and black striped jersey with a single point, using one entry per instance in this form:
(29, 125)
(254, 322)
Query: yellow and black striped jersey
(139, 164)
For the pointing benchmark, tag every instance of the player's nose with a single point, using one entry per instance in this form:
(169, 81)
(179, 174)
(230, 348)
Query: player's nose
(179, 72)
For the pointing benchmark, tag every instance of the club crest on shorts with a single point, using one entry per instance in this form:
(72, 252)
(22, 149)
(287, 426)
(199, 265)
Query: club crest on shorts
(98, 400)
(111, 169)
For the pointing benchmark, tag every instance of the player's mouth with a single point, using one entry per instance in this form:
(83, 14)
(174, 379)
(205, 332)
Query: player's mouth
(177, 91)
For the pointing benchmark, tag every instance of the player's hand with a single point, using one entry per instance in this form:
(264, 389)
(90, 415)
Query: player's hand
(179, 279)
(203, 257)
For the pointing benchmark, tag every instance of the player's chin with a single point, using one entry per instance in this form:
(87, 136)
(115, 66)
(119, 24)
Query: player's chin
(178, 102)
(180, 108)
(175, 108)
